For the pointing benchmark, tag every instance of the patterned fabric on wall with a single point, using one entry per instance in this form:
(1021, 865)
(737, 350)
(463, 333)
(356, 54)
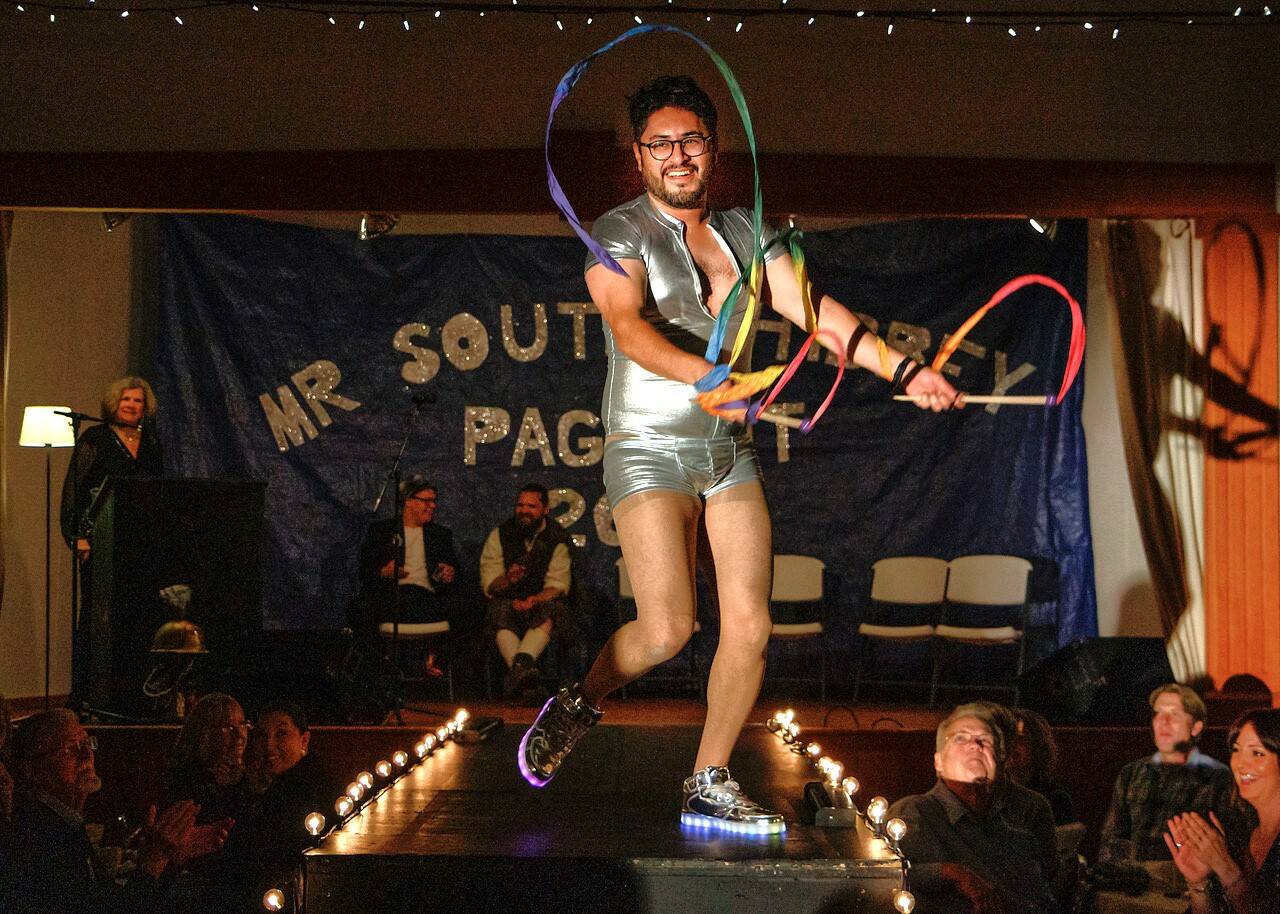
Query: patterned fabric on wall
(300, 357)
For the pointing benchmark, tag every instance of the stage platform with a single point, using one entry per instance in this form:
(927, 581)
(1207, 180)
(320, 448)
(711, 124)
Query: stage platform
(463, 832)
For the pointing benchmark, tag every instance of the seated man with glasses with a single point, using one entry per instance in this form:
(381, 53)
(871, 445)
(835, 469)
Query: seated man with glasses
(47, 863)
(411, 556)
(976, 834)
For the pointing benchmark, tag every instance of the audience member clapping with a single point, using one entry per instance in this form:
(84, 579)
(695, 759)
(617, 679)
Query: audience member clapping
(1176, 778)
(1230, 869)
(52, 864)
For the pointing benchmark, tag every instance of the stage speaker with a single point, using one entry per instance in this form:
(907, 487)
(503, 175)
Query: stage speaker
(1098, 681)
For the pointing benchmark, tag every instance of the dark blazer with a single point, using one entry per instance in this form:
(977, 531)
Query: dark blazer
(380, 547)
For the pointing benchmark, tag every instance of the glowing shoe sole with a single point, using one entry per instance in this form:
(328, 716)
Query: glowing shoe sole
(528, 773)
(694, 820)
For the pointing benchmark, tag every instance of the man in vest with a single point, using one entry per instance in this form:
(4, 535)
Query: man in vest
(525, 572)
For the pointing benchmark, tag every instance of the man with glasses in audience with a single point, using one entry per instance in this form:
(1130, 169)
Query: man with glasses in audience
(48, 863)
(969, 835)
(668, 465)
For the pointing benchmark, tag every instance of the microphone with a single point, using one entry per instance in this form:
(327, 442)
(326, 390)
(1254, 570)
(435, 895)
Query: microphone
(72, 414)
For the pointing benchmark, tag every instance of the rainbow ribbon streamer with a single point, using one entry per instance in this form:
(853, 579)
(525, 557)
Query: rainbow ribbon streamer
(1075, 352)
(746, 293)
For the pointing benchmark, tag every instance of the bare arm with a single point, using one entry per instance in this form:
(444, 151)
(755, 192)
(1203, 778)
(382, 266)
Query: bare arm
(836, 326)
(620, 300)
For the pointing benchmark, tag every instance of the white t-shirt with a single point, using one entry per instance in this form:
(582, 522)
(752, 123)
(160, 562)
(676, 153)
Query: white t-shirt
(415, 559)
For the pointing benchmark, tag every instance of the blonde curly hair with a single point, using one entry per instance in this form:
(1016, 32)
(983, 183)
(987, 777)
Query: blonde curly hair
(115, 390)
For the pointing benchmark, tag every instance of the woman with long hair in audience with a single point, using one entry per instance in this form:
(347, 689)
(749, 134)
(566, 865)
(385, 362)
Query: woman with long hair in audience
(208, 757)
(1230, 871)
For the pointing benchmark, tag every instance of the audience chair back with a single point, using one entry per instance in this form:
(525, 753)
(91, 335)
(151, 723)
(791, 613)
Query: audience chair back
(976, 584)
(796, 603)
(911, 589)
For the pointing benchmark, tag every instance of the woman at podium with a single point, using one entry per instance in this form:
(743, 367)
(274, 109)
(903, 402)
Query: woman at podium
(125, 444)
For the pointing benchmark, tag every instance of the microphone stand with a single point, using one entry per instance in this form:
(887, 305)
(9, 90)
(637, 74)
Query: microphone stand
(77, 638)
(393, 479)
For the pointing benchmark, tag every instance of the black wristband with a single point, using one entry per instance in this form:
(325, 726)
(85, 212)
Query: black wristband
(910, 376)
(854, 340)
(900, 371)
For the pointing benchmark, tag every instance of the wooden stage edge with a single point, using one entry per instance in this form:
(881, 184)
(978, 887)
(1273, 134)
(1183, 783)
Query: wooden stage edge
(463, 832)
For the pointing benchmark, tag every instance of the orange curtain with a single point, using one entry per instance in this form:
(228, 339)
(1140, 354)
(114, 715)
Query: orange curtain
(1242, 478)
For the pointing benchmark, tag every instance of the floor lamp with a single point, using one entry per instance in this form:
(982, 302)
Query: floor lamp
(43, 426)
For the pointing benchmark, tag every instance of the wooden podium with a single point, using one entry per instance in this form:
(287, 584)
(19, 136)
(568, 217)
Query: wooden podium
(148, 534)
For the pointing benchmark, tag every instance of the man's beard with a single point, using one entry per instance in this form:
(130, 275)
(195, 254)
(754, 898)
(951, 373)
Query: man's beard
(693, 198)
(526, 524)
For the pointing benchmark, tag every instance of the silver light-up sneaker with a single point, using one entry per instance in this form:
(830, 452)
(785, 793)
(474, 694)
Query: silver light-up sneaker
(559, 725)
(713, 800)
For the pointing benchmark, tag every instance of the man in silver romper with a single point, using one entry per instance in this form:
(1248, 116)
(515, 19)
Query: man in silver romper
(668, 464)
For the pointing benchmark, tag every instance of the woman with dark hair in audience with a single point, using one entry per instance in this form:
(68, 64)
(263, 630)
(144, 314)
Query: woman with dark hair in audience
(271, 839)
(1230, 872)
(1033, 763)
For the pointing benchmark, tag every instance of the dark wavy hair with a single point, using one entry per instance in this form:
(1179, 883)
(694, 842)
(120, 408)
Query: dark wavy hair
(670, 92)
(1266, 722)
(1043, 749)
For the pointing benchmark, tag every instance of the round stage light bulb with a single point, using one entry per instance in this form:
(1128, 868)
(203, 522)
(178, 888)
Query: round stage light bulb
(383, 768)
(835, 771)
(273, 900)
(850, 785)
(365, 779)
(355, 791)
(462, 716)
(343, 806)
(814, 750)
(789, 715)
(824, 763)
(877, 809)
(429, 741)
(773, 725)
(442, 734)
(314, 823)
(420, 750)
(903, 901)
(793, 728)
(400, 759)
(895, 828)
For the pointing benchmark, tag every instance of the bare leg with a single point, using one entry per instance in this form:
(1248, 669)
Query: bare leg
(741, 539)
(657, 530)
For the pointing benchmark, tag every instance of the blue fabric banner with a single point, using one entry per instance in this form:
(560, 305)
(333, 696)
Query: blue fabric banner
(295, 356)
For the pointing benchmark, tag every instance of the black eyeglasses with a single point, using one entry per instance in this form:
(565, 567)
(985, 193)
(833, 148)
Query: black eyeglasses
(693, 145)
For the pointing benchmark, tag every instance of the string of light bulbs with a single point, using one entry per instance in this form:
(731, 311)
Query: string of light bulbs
(367, 786)
(841, 789)
(564, 16)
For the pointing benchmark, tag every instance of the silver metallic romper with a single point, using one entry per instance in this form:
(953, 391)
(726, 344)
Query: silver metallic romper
(656, 436)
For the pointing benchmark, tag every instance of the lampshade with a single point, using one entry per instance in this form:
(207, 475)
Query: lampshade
(42, 426)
